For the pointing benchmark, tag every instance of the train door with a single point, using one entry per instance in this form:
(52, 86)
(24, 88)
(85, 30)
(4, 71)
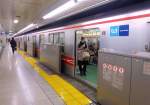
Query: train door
(18, 43)
(51, 38)
(34, 46)
(62, 44)
(56, 38)
(37, 41)
(59, 39)
(89, 65)
(38, 46)
(21, 43)
(25, 43)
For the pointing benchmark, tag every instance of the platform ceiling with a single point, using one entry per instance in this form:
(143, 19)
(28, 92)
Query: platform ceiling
(31, 11)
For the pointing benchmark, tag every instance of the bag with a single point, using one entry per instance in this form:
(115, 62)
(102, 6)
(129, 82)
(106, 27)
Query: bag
(85, 55)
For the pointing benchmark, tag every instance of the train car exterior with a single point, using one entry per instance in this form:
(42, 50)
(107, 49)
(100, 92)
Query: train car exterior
(129, 29)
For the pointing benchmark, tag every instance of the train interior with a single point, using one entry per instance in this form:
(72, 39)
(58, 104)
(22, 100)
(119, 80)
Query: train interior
(92, 40)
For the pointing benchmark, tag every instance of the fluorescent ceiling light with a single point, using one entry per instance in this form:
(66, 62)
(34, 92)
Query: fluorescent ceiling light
(68, 5)
(26, 28)
(16, 21)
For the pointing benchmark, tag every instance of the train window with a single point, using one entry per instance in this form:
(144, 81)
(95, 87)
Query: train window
(39, 40)
(28, 38)
(56, 38)
(51, 38)
(46, 37)
(62, 38)
(42, 38)
(34, 39)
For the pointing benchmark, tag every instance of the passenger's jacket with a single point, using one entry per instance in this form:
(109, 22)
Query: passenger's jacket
(82, 47)
(13, 43)
(79, 53)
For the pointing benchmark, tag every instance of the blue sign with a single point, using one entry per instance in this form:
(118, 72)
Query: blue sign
(122, 30)
(114, 31)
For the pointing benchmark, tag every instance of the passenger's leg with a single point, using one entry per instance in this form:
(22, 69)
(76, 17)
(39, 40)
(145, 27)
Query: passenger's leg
(84, 67)
(13, 50)
(80, 67)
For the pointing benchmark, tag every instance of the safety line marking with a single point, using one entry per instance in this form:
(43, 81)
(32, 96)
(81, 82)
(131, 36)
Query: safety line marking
(69, 94)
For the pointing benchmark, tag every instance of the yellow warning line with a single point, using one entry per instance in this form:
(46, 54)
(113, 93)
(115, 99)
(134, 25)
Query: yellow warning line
(65, 90)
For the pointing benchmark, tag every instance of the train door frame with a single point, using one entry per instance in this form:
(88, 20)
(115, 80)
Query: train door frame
(34, 45)
(40, 38)
(25, 43)
(21, 38)
(39, 44)
(75, 54)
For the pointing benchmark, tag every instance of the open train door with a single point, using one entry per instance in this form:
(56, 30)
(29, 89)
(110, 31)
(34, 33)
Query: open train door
(87, 70)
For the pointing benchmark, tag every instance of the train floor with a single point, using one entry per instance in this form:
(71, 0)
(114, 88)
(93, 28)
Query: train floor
(23, 82)
(91, 75)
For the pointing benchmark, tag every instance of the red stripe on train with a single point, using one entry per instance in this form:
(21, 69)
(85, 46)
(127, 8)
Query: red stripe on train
(68, 60)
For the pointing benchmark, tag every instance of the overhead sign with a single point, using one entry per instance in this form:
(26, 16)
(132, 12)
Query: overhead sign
(122, 30)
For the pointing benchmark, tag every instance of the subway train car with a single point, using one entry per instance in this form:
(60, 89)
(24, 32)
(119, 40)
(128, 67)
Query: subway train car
(130, 30)
(68, 39)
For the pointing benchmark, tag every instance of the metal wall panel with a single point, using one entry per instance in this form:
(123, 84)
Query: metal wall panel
(114, 79)
(138, 34)
(22, 45)
(69, 50)
(140, 91)
(50, 56)
(30, 49)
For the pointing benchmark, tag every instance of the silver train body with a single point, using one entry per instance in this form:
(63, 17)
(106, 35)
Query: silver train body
(67, 37)
(31, 44)
(128, 33)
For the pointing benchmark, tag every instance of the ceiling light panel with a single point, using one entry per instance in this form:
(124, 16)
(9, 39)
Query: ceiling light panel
(16, 21)
(68, 5)
(25, 29)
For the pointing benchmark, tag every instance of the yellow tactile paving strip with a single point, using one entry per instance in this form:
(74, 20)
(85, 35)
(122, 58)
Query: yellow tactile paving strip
(65, 90)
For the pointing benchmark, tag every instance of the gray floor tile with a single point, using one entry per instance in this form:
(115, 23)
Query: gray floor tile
(21, 85)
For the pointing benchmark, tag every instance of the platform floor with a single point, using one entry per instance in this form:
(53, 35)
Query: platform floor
(23, 82)
(19, 85)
